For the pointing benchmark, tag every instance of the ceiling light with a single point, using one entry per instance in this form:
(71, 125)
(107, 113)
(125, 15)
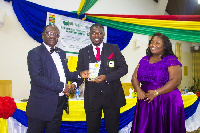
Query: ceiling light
(198, 1)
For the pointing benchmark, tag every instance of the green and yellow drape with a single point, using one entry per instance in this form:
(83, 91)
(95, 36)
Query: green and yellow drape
(176, 27)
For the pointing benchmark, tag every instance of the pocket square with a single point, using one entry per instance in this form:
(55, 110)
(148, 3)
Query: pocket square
(111, 56)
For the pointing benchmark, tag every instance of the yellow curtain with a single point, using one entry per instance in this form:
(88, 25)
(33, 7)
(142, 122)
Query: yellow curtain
(178, 55)
(178, 51)
(196, 65)
(3, 126)
(72, 63)
(6, 88)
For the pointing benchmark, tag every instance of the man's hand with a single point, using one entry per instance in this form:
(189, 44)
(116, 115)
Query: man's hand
(100, 78)
(73, 86)
(69, 89)
(85, 74)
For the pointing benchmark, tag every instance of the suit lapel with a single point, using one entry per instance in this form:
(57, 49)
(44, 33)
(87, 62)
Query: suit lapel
(64, 61)
(104, 53)
(50, 63)
(47, 54)
(103, 58)
(92, 57)
(64, 64)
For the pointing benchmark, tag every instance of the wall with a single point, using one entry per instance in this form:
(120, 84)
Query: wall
(15, 42)
(186, 60)
(133, 53)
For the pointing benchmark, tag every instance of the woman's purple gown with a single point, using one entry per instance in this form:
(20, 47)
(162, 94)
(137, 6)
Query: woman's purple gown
(165, 114)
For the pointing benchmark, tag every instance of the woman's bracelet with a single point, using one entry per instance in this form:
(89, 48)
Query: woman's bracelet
(156, 93)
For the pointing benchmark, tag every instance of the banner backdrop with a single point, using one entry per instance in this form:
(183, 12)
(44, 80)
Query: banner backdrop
(74, 33)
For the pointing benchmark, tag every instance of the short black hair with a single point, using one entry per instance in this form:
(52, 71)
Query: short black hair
(48, 26)
(97, 25)
(166, 42)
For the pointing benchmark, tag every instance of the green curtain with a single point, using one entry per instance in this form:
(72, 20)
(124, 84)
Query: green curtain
(175, 34)
(88, 4)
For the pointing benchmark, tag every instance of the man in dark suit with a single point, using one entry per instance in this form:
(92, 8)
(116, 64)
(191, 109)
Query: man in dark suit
(105, 91)
(49, 75)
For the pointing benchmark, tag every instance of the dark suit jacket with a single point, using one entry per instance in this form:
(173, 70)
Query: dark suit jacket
(112, 86)
(45, 83)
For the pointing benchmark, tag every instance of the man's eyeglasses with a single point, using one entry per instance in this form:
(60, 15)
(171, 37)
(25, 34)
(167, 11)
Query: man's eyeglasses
(52, 34)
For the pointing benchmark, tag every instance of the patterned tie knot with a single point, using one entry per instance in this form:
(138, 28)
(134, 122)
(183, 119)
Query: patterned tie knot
(98, 53)
(54, 49)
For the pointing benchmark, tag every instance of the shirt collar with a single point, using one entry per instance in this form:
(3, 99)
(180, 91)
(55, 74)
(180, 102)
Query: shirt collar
(100, 46)
(47, 46)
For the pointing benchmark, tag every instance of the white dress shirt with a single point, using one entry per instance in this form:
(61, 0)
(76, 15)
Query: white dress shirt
(95, 51)
(56, 58)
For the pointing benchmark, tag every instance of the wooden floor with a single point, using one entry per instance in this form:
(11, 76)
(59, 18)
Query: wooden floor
(196, 131)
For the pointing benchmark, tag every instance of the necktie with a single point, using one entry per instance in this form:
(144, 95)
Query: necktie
(54, 49)
(98, 53)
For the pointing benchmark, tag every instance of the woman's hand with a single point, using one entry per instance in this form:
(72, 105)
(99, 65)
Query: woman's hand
(136, 85)
(140, 94)
(149, 96)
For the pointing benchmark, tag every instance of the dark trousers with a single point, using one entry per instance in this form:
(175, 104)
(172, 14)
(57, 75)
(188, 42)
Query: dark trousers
(53, 126)
(111, 116)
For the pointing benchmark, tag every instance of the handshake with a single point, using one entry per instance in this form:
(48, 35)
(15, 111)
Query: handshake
(69, 89)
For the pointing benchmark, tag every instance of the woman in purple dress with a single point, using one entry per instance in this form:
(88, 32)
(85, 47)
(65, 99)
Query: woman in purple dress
(159, 106)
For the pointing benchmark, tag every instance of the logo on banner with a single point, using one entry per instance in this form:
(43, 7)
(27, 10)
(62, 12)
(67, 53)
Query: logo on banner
(51, 19)
(74, 33)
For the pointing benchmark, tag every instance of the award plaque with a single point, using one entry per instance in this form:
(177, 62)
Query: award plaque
(94, 70)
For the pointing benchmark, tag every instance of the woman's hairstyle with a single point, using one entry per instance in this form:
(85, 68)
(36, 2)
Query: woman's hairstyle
(166, 42)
